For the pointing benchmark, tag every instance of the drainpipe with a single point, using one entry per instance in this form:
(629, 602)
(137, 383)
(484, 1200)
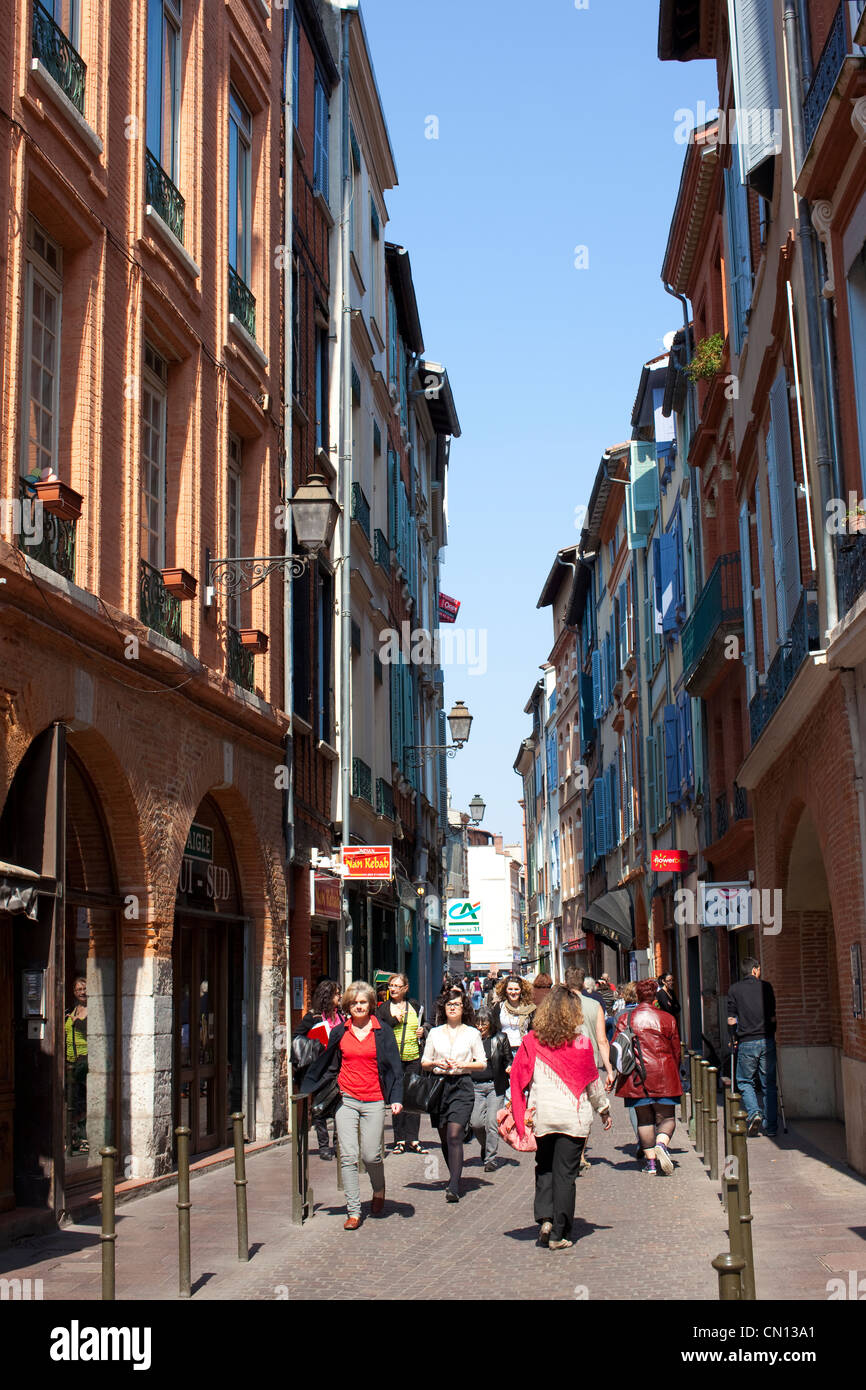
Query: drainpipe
(289, 22)
(826, 461)
(695, 507)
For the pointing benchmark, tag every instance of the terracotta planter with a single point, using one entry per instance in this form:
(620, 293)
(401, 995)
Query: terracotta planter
(253, 640)
(179, 583)
(59, 499)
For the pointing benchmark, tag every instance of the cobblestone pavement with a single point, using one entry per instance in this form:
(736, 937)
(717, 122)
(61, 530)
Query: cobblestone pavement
(805, 1232)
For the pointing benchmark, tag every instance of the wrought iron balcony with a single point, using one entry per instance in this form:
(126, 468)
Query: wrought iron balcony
(156, 606)
(361, 509)
(382, 550)
(240, 661)
(721, 815)
(362, 780)
(802, 640)
(242, 302)
(384, 798)
(45, 537)
(838, 46)
(717, 613)
(741, 803)
(52, 47)
(850, 570)
(162, 195)
(708, 825)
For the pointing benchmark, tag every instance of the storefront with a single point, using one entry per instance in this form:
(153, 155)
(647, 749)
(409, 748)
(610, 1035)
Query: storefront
(610, 921)
(325, 927)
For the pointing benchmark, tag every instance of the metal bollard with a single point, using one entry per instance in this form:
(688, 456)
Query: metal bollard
(693, 1106)
(339, 1163)
(705, 1110)
(108, 1235)
(713, 1118)
(241, 1186)
(735, 1229)
(302, 1192)
(699, 1107)
(729, 1269)
(741, 1155)
(182, 1134)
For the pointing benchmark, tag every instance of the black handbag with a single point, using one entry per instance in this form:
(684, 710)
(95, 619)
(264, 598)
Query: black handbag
(422, 1092)
(326, 1102)
(305, 1050)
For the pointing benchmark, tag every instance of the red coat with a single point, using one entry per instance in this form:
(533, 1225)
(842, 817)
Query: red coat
(659, 1041)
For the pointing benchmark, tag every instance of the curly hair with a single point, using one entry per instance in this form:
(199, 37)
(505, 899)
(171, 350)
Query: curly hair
(558, 1020)
(525, 989)
(629, 992)
(455, 992)
(323, 998)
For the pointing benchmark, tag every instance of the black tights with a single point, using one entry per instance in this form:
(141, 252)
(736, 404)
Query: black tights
(451, 1139)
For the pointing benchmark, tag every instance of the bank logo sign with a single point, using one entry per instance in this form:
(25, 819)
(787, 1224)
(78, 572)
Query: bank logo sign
(463, 922)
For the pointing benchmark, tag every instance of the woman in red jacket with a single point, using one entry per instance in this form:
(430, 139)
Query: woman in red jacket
(654, 1086)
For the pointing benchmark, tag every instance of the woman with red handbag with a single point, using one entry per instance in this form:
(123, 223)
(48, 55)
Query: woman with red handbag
(556, 1064)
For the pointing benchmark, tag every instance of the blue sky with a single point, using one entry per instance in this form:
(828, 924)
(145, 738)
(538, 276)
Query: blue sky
(553, 135)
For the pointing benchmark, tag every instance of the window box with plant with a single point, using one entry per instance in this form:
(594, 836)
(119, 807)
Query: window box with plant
(707, 360)
(58, 498)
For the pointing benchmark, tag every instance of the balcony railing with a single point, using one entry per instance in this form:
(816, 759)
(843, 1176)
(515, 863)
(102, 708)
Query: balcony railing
(741, 803)
(384, 798)
(839, 44)
(242, 302)
(803, 639)
(240, 661)
(156, 606)
(721, 815)
(361, 509)
(162, 195)
(53, 539)
(850, 570)
(52, 47)
(382, 551)
(362, 780)
(719, 609)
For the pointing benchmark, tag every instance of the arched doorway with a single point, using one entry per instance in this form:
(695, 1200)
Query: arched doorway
(211, 959)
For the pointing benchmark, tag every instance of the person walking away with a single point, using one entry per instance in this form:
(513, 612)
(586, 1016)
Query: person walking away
(406, 1017)
(323, 1016)
(541, 987)
(653, 1087)
(667, 999)
(454, 1050)
(513, 1009)
(589, 991)
(628, 1002)
(476, 993)
(752, 1016)
(556, 1065)
(491, 1086)
(606, 991)
(363, 1058)
(488, 987)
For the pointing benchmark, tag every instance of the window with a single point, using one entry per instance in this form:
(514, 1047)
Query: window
(739, 257)
(153, 412)
(321, 388)
(163, 83)
(756, 91)
(41, 373)
(301, 653)
(857, 315)
(296, 68)
(234, 518)
(320, 149)
(354, 237)
(375, 288)
(240, 187)
(781, 487)
(67, 16)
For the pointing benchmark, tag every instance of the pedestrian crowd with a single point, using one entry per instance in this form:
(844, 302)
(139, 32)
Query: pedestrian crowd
(509, 1060)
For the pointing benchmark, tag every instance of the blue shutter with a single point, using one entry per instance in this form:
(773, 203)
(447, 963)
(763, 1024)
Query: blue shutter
(668, 580)
(657, 585)
(598, 803)
(623, 623)
(641, 494)
(680, 601)
(739, 264)
(672, 771)
(396, 717)
(648, 636)
(756, 83)
(596, 683)
(789, 539)
(690, 752)
(613, 805)
(612, 653)
(589, 833)
(629, 784)
(320, 151)
(650, 760)
(748, 605)
(765, 623)
(682, 753)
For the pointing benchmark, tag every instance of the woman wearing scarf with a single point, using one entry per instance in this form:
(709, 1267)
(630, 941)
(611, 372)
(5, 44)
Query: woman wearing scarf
(513, 1010)
(556, 1065)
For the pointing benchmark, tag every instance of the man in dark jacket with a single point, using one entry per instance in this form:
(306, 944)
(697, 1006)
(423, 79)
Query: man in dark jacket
(752, 1016)
(667, 999)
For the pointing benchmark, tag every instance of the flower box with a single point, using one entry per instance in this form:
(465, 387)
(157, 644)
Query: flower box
(59, 499)
(253, 640)
(179, 583)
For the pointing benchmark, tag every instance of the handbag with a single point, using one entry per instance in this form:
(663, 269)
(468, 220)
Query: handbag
(305, 1050)
(508, 1129)
(422, 1092)
(326, 1102)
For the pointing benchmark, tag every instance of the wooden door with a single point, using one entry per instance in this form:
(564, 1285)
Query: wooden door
(201, 1041)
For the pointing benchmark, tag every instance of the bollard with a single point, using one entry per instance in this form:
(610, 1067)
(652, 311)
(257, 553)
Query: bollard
(108, 1235)
(183, 1209)
(729, 1269)
(241, 1186)
(693, 1104)
(699, 1107)
(735, 1229)
(302, 1192)
(713, 1116)
(740, 1153)
(706, 1101)
(339, 1162)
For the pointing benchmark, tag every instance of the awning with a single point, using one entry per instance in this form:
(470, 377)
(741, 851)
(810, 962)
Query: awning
(612, 917)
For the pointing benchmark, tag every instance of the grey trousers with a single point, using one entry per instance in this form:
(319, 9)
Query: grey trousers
(483, 1121)
(361, 1130)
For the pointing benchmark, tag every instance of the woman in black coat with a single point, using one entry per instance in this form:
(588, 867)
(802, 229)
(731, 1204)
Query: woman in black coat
(491, 1087)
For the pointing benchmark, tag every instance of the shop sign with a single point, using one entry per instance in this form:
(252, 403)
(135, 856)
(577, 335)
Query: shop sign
(366, 861)
(725, 905)
(199, 843)
(463, 922)
(544, 935)
(213, 880)
(669, 860)
(577, 944)
(448, 608)
(326, 897)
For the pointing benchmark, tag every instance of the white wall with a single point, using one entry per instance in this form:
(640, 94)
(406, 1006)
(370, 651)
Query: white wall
(490, 884)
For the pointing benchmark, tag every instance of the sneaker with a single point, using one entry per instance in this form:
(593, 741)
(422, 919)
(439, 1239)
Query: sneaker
(650, 1167)
(756, 1123)
(665, 1162)
(544, 1233)
(560, 1244)
(491, 1166)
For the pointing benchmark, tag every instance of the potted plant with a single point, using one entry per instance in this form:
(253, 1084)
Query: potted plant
(707, 361)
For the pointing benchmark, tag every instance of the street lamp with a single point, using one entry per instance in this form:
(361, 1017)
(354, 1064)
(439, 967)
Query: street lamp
(459, 722)
(314, 512)
(477, 807)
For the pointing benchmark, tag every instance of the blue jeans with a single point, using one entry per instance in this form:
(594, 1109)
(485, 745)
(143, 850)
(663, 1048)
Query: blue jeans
(756, 1061)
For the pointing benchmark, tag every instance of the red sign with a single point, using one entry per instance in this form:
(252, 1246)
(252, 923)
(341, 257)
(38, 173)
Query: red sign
(326, 898)
(673, 860)
(366, 861)
(448, 609)
(544, 935)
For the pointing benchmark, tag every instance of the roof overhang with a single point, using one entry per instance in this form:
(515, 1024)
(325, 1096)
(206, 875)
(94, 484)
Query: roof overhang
(561, 571)
(687, 29)
(440, 401)
(408, 319)
(686, 237)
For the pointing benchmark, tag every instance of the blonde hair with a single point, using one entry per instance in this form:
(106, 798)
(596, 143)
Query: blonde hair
(356, 988)
(629, 992)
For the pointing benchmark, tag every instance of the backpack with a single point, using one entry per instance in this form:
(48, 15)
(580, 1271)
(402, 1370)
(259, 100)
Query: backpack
(625, 1054)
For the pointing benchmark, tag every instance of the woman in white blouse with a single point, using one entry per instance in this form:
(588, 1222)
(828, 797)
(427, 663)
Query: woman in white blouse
(454, 1050)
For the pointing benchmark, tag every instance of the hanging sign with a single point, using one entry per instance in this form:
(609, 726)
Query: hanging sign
(366, 861)
(463, 922)
(199, 843)
(326, 897)
(669, 860)
(448, 608)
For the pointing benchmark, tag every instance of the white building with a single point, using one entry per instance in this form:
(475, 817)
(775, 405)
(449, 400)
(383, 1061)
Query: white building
(494, 882)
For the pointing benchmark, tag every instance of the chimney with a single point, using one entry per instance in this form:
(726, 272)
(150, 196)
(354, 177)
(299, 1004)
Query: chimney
(497, 843)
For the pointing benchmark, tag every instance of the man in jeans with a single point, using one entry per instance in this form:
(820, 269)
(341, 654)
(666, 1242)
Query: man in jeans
(752, 1012)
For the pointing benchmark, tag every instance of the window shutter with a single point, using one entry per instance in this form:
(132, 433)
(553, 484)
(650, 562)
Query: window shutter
(623, 624)
(666, 584)
(672, 772)
(598, 800)
(657, 586)
(596, 684)
(587, 719)
(682, 752)
(589, 832)
(648, 636)
(765, 626)
(690, 751)
(739, 263)
(756, 85)
(776, 529)
(650, 755)
(613, 802)
(748, 605)
(787, 494)
(641, 495)
(396, 717)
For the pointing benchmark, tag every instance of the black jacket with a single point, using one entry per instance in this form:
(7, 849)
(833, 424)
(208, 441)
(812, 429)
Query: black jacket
(753, 1003)
(384, 1015)
(327, 1067)
(499, 1056)
(667, 1000)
